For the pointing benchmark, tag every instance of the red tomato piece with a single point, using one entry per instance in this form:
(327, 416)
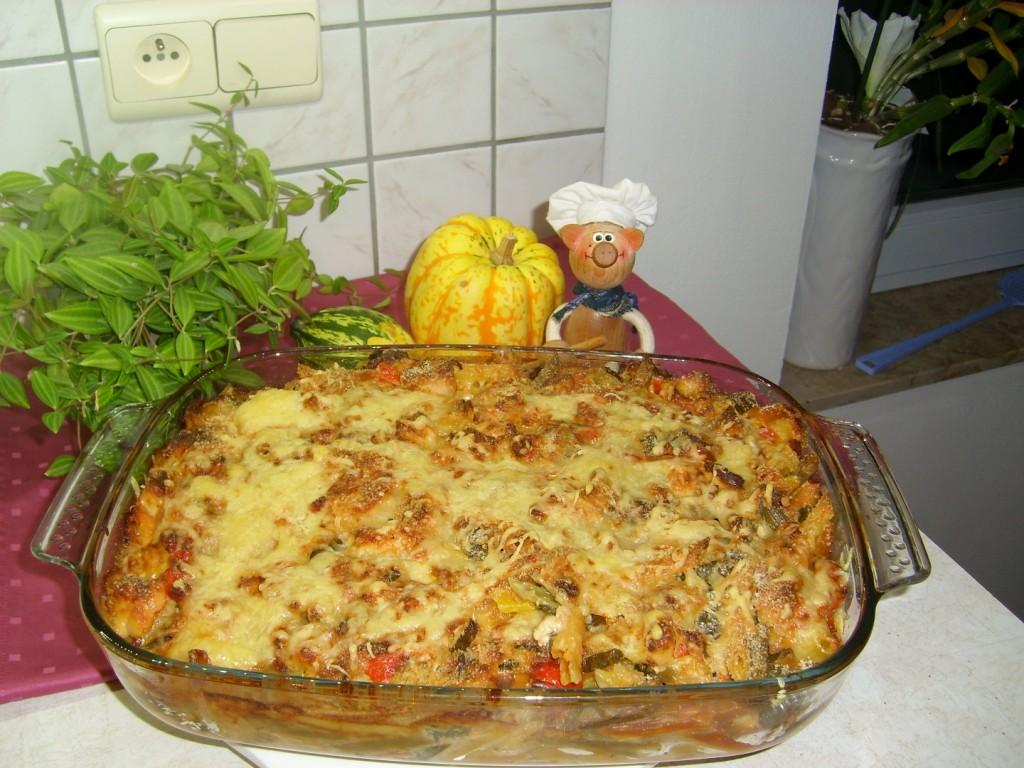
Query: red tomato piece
(383, 666)
(546, 674)
(388, 373)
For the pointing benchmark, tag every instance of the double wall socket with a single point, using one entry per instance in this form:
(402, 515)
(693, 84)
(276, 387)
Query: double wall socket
(158, 58)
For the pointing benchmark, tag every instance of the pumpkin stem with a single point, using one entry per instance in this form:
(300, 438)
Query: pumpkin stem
(503, 254)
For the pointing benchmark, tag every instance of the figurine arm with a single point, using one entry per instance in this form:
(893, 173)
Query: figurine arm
(643, 328)
(553, 330)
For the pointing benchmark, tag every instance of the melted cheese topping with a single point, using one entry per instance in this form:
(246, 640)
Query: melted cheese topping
(485, 523)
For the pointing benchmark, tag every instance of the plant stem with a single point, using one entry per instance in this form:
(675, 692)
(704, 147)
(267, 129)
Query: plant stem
(960, 55)
(911, 63)
(869, 60)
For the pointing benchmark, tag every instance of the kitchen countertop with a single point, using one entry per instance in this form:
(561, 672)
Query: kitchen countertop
(901, 314)
(938, 684)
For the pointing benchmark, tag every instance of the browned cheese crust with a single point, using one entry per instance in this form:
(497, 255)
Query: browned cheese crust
(485, 523)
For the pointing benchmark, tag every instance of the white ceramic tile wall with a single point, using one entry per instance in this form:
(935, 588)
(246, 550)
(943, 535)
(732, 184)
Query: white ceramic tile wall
(443, 106)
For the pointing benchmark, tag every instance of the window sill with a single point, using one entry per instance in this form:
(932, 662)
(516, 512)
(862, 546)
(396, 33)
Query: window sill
(901, 314)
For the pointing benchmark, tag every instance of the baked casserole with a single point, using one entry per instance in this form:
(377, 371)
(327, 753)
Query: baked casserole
(485, 523)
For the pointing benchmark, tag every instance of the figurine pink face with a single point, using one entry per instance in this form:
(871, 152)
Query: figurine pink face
(601, 255)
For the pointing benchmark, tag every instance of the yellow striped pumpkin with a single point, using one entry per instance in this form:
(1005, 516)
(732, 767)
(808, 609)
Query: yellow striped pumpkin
(471, 284)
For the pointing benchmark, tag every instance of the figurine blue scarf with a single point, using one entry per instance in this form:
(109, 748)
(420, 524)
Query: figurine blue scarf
(611, 302)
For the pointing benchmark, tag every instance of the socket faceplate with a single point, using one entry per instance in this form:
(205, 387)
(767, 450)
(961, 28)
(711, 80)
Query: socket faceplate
(167, 61)
(159, 57)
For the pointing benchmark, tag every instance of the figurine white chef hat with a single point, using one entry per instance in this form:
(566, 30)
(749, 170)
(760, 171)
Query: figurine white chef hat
(628, 204)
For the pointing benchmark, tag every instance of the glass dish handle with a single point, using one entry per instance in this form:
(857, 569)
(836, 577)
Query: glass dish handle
(895, 548)
(64, 532)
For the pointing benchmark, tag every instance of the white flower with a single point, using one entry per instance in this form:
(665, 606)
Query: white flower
(897, 35)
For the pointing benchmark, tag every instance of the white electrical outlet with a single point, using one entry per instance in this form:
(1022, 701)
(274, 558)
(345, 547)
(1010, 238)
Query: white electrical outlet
(161, 62)
(158, 58)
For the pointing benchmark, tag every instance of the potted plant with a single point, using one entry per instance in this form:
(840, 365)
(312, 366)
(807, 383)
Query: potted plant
(865, 141)
(120, 280)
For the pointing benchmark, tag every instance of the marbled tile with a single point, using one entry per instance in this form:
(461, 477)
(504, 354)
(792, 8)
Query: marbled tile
(338, 12)
(41, 98)
(81, 27)
(528, 172)
(341, 244)
(416, 195)
(29, 28)
(430, 84)
(377, 10)
(168, 137)
(327, 130)
(515, 5)
(562, 89)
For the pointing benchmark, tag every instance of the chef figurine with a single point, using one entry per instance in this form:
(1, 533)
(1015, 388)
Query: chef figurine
(603, 228)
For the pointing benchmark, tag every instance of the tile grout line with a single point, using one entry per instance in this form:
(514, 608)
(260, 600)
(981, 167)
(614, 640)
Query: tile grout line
(362, 24)
(371, 185)
(76, 93)
(433, 151)
(494, 108)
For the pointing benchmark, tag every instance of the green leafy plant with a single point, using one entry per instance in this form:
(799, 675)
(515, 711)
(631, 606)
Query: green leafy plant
(121, 280)
(922, 37)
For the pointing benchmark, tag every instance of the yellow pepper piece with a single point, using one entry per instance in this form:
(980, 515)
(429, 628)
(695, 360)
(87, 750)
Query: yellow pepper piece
(509, 602)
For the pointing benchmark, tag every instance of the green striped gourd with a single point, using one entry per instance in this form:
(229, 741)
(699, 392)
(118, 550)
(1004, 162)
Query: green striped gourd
(348, 326)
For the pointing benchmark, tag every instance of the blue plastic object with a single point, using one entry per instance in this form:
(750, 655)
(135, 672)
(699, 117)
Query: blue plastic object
(1011, 286)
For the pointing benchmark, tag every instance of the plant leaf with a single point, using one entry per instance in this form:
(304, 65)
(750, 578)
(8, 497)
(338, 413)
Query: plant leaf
(247, 231)
(143, 161)
(19, 270)
(267, 243)
(201, 300)
(1001, 47)
(59, 274)
(46, 353)
(928, 112)
(185, 349)
(18, 182)
(259, 160)
(289, 269)
(30, 241)
(156, 385)
(104, 356)
(74, 212)
(244, 284)
(54, 420)
(85, 317)
(104, 277)
(247, 200)
(44, 388)
(136, 266)
(998, 147)
(158, 213)
(184, 307)
(178, 210)
(193, 263)
(117, 313)
(60, 466)
(999, 77)
(12, 390)
(299, 205)
(978, 67)
(236, 373)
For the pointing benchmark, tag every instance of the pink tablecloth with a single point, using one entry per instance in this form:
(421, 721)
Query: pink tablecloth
(45, 646)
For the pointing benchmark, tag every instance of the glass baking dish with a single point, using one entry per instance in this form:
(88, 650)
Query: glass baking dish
(875, 534)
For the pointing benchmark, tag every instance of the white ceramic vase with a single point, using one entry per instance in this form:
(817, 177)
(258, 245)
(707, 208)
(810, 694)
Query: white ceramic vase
(853, 189)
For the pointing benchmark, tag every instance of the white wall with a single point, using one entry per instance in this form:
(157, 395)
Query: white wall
(715, 104)
(956, 449)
